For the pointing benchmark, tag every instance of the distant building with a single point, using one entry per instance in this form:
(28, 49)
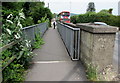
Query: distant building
(119, 8)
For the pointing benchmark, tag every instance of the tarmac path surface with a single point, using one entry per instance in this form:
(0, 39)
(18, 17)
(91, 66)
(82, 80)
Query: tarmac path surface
(53, 63)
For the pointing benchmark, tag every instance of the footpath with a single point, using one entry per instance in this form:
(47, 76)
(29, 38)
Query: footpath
(53, 63)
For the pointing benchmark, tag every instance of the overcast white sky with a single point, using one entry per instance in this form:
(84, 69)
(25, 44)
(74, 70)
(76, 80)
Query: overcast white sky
(80, 6)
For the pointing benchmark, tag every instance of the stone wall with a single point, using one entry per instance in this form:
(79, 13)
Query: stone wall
(97, 45)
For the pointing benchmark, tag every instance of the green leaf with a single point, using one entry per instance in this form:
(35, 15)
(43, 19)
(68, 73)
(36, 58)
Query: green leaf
(21, 53)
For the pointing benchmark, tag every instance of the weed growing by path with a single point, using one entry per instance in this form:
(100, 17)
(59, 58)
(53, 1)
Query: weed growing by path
(91, 73)
(38, 41)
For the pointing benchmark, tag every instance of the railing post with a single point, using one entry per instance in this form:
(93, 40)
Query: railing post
(97, 44)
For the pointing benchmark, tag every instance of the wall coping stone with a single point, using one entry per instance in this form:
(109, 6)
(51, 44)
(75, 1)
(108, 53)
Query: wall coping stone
(94, 28)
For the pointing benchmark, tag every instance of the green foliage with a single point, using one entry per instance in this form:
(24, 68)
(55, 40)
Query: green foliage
(91, 73)
(107, 11)
(24, 55)
(101, 16)
(5, 54)
(33, 11)
(104, 11)
(43, 20)
(39, 12)
(17, 15)
(14, 72)
(28, 22)
(74, 19)
(11, 29)
(38, 41)
(11, 8)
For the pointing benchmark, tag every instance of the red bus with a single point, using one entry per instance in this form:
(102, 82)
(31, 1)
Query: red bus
(64, 16)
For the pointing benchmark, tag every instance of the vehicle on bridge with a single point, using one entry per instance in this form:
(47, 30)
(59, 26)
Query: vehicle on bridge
(64, 16)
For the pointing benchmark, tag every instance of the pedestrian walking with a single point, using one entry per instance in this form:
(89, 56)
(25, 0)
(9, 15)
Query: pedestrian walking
(54, 24)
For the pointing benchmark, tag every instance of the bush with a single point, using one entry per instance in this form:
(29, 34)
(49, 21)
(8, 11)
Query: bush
(28, 22)
(97, 17)
(14, 72)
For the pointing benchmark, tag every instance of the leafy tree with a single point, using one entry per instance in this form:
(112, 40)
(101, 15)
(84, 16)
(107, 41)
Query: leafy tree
(37, 11)
(26, 9)
(107, 11)
(33, 11)
(91, 7)
(11, 8)
(110, 10)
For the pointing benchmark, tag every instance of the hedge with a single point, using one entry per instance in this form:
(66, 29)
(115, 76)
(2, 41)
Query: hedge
(96, 17)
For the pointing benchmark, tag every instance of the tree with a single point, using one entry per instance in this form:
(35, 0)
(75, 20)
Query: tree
(107, 11)
(104, 11)
(91, 7)
(110, 10)
(54, 15)
(26, 9)
(11, 8)
(39, 11)
(33, 11)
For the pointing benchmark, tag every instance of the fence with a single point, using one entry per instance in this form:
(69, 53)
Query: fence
(71, 39)
(29, 33)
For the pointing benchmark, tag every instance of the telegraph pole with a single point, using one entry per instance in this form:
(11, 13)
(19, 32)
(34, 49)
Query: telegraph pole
(48, 4)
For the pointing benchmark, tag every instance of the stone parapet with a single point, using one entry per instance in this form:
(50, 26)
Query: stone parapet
(97, 44)
(90, 27)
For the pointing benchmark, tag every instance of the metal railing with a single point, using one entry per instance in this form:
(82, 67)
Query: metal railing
(30, 31)
(71, 39)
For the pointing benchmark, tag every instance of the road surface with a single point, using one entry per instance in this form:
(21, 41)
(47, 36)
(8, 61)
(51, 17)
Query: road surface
(116, 57)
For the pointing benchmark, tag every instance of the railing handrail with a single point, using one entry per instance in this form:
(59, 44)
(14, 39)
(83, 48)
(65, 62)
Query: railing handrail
(9, 45)
(70, 27)
(32, 26)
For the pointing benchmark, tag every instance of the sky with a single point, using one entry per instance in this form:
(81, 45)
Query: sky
(80, 6)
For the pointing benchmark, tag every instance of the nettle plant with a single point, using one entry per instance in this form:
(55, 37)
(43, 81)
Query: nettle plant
(11, 28)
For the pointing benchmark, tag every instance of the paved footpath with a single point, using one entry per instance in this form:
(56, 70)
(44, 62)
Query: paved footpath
(52, 62)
